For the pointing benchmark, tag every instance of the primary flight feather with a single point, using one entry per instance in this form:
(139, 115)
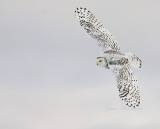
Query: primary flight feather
(112, 56)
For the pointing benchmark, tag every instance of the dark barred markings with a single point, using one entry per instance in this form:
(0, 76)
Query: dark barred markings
(113, 52)
(127, 85)
(123, 93)
(122, 61)
(96, 29)
(99, 57)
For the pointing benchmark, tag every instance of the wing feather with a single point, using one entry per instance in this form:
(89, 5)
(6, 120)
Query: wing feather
(127, 86)
(96, 29)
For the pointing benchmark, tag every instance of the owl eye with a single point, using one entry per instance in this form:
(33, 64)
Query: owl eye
(100, 61)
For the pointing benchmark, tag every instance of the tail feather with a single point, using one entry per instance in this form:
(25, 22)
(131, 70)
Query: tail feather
(134, 61)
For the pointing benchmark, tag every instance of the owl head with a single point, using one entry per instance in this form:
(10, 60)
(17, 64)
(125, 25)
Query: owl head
(101, 61)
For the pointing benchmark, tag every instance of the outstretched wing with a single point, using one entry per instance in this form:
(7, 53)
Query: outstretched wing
(96, 29)
(127, 86)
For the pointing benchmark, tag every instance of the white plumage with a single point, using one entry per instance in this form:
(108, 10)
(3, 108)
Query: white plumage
(112, 56)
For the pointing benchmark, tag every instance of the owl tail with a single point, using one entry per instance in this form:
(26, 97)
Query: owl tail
(134, 61)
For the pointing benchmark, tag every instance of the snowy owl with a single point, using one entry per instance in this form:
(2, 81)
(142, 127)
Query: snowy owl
(112, 57)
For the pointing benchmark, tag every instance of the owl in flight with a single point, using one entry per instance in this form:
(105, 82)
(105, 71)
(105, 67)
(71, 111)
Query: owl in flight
(112, 57)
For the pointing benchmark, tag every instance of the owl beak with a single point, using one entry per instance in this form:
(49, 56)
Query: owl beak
(97, 63)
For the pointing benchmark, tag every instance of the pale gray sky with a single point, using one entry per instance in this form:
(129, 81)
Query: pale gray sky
(48, 74)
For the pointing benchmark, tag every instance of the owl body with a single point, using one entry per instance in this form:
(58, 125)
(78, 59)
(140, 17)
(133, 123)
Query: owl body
(112, 55)
(112, 58)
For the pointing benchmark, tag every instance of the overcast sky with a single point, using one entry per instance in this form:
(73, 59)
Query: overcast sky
(48, 73)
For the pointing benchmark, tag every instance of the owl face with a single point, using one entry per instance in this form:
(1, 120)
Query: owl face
(101, 62)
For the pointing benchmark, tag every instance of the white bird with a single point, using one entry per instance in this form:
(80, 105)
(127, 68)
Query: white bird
(112, 56)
